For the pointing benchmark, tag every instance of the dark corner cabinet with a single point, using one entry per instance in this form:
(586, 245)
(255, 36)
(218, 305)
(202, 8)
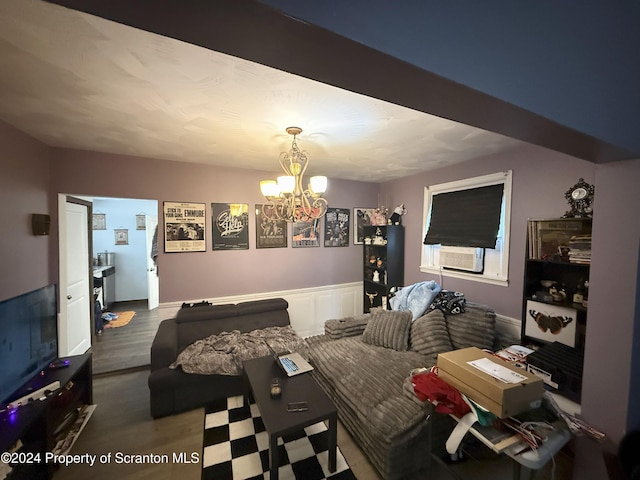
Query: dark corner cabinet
(555, 298)
(39, 424)
(383, 264)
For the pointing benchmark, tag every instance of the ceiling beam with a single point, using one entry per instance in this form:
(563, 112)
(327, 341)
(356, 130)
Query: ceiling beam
(253, 31)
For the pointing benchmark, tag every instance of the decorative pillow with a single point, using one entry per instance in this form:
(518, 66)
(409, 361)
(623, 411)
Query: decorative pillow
(449, 302)
(415, 298)
(473, 328)
(388, 328)
(429, 334)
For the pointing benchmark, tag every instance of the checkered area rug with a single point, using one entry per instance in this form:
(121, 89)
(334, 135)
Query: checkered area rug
(236, 447)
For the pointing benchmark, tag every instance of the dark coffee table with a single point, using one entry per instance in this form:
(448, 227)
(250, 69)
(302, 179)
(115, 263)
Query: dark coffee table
(277, 420)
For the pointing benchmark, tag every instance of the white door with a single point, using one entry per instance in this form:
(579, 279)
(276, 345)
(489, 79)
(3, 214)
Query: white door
(75, 292)
(153, 284)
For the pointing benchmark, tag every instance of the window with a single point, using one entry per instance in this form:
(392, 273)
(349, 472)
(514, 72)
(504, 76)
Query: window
(496, 260)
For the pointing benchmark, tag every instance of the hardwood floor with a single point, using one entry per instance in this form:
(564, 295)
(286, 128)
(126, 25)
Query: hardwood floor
(128, 346)
(121, 424)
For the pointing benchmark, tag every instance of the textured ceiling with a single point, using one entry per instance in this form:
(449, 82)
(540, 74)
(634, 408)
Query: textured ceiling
(78, 81)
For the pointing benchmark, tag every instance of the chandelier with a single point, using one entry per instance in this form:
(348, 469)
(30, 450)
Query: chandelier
(287, 197)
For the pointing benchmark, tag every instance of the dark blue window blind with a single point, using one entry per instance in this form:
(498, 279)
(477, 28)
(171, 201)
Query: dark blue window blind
(466, 218)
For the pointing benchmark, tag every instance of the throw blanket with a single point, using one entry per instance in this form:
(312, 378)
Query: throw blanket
(415, 298)
(224, 354)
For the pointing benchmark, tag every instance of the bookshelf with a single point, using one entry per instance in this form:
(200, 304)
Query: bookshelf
(383, 264)
(556, 281)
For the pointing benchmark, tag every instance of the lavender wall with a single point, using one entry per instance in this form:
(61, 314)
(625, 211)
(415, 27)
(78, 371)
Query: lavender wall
(540, 179)
(190, 276)
(24, 184)
(611, 384)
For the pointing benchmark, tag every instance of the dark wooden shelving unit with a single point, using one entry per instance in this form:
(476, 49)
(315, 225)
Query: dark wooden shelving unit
(383, 264)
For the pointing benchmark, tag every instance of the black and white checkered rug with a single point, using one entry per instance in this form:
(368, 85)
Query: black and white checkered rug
(236, 447)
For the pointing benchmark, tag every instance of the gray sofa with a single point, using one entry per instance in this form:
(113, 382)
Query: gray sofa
(172, 390)
(364, 365)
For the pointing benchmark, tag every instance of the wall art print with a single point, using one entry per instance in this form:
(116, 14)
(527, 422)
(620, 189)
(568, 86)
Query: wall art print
(230, 226)
(99, 221)
(270, 233)
(551, 323)
(121, 236)
(336, 227)
(362, 217)
(306, 233)
(141, 221)
(184, 227)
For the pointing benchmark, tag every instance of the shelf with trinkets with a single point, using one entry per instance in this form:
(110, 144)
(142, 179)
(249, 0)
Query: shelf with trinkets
(383, 264)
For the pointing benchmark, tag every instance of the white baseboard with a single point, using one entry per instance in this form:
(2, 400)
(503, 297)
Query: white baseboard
(308, 309)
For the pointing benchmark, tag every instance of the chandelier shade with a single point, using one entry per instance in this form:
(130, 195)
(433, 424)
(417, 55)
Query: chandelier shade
(288, 198)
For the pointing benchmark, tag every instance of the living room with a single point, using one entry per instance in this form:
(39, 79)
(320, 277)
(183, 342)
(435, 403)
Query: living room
(35, 173)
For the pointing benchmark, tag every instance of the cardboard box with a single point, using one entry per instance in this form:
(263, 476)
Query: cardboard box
(480, 382)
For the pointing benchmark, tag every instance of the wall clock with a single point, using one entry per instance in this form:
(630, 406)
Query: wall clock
(580, 198)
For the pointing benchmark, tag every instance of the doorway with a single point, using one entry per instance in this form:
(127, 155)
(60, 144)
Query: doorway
(119, 242)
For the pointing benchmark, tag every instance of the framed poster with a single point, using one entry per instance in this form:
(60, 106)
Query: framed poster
(550, 323)
(306, 233)
(184, 227)
(269, 233)
(362, 218)
(230, 226)
(336, 227)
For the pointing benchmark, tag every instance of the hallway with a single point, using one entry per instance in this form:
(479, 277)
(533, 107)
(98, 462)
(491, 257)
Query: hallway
(128, 346)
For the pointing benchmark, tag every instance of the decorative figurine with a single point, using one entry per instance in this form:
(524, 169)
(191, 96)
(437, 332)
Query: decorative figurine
(379, 217)
(398, 212)
(580, 198)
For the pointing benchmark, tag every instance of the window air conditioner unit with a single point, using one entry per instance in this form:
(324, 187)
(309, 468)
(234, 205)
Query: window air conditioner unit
(469, 259)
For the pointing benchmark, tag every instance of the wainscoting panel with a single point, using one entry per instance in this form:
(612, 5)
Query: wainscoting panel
(309, 308)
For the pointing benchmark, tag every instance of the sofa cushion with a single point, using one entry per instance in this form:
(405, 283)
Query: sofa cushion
(388, 328)
(429, 334)
(473, 328)
(260, 306)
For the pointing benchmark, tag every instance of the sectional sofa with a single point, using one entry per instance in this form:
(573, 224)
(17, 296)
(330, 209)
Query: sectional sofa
(364, 365)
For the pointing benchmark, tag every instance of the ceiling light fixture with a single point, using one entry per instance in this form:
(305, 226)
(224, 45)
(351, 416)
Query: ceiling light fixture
(288, 199)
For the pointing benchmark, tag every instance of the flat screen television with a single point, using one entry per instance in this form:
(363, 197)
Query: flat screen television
(28, 338)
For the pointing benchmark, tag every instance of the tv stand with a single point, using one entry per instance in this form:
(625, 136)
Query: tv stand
(39, 423)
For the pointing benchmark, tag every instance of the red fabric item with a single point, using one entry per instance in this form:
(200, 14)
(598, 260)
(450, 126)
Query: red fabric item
(428, 386)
